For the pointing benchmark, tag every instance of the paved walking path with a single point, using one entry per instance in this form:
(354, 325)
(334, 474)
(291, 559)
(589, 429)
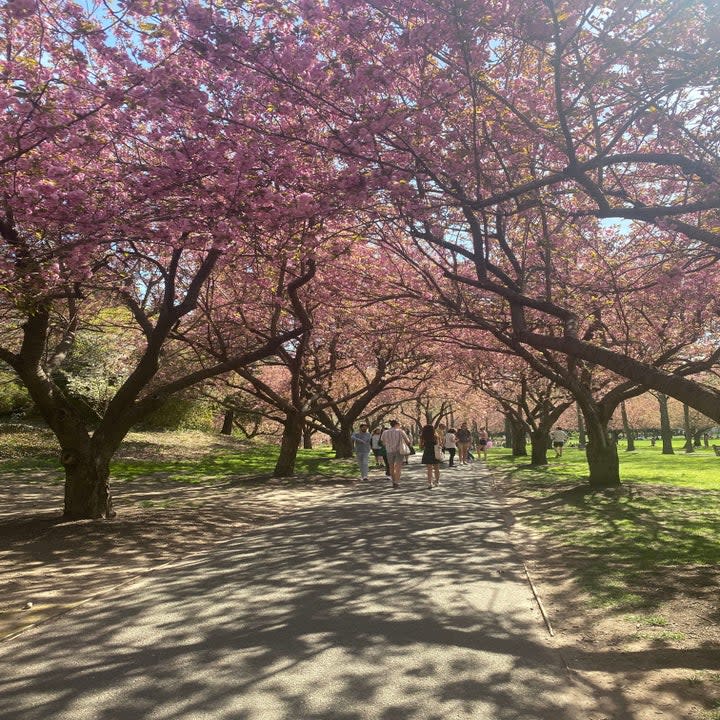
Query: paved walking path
(379, 604)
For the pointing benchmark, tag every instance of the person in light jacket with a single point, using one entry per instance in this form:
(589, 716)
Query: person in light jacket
(451, 446)
(396, 442)
(361, 442)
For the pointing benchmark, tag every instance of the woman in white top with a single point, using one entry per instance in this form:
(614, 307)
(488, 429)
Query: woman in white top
(395, 440)
(451, 445)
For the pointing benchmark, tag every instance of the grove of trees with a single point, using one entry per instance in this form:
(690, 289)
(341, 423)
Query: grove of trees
(324, 209)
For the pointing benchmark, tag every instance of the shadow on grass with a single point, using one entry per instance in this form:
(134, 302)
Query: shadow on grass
(620, 543)
(252, 464)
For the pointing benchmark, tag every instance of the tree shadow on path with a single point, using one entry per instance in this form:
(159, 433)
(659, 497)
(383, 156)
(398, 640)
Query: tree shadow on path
(386, 604)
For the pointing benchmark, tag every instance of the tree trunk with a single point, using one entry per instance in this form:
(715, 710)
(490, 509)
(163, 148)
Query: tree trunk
(604, 464)
(665, 429)
(87, 485)
(539, 443)
(582, 439)
(689, 446)
(227, 426)
(629, 433)
(342, 444)
(602, 455)
(519, 439)
(307, 438)
(291, 438)
(508, 433)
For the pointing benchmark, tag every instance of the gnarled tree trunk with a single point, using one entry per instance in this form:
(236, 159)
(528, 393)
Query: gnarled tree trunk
(602, 456)
(227, 426)
(539, 442)
(519, 439)
(582, 436)
(307, 438)
(665, 429)
(291, 438)
(689, 445)
(629, 433)
(508, 433)
(87, 484)
(342, 444)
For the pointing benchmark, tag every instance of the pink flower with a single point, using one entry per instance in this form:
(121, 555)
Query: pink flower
(22, 8)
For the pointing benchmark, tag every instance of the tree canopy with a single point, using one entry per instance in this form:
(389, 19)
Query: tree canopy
(212, 179)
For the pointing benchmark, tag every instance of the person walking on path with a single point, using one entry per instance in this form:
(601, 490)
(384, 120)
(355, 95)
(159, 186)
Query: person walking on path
(559, 438)
(451, 446)
(361, 442)
(440, 432)
(408, 450)
(464, 438)
(432, 453)
(397, 445)
(482, 442)
(379, 450)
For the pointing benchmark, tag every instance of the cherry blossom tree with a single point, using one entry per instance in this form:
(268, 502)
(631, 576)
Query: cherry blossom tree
(352, 352)
(481, 124)
(120, 190)
(529, 399)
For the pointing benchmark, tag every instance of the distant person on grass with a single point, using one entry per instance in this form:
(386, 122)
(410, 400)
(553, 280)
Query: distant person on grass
(396, 443)
(432, 454)
(559, 438)
(361, 441)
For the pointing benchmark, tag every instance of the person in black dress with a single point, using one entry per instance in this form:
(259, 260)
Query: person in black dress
(431, 455)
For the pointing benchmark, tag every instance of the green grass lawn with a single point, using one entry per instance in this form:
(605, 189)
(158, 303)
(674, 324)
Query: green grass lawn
(190, 457)
(666, 516)
(700, 469)
(253, 461)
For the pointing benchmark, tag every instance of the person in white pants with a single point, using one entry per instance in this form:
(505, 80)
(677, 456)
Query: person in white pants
(361, 441)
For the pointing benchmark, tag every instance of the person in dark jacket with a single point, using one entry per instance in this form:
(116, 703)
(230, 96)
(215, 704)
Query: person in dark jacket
(432, 452)
(464, 439)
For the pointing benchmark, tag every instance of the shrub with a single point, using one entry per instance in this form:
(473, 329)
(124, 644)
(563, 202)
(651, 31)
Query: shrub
(181, 413)
(14, 397)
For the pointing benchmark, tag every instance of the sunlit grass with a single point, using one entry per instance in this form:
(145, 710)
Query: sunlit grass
(673, 636)
(189, 457)
(252, 461)
(700, 469)
(665, 516)
(648, 620)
